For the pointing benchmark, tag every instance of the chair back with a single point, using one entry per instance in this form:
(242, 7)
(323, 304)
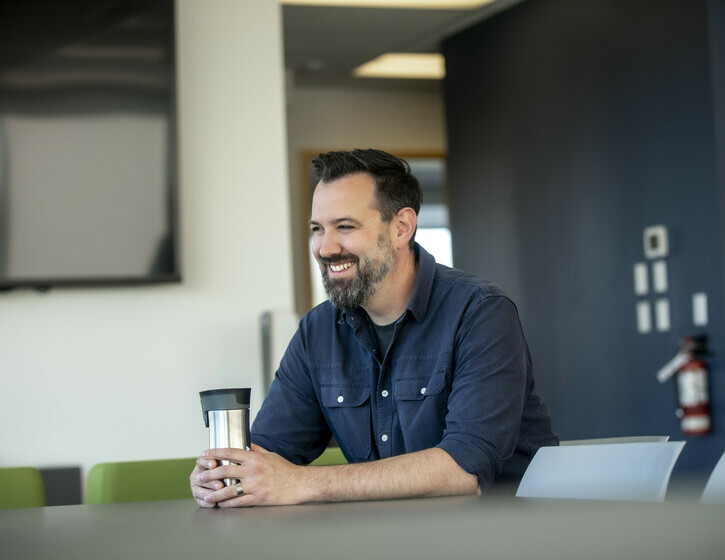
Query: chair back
(21, 487)
(330, 456)
(714, 492)
(617, 471)
(139, 481)
(627, 439)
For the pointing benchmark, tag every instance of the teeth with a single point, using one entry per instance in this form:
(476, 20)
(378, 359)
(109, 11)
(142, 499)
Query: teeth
(340, 267)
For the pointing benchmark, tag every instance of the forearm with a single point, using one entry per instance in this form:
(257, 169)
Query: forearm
(431, 472)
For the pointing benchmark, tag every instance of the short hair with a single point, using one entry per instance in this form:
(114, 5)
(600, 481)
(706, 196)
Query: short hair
(395, 186)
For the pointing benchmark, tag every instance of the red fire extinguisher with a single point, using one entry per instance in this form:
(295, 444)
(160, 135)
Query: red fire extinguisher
(692, 392)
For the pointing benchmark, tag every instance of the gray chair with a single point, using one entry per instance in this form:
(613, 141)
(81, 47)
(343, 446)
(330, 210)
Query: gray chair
(614, 471)
(628, 439)
(714, 492)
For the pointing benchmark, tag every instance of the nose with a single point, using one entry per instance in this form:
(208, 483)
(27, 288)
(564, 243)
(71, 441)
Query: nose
(326, 244)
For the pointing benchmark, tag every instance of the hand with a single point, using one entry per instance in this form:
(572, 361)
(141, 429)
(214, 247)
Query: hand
(200, 490)
(267, 479)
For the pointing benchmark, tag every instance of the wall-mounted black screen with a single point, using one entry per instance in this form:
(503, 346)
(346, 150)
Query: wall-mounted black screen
(88, 152)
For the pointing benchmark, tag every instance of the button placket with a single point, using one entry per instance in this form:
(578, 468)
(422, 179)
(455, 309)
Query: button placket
(385, 412)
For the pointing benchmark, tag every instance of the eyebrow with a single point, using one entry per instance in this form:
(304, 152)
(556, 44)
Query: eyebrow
(337, 221)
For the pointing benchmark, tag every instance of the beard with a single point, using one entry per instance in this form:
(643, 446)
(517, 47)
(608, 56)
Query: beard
(354, 292)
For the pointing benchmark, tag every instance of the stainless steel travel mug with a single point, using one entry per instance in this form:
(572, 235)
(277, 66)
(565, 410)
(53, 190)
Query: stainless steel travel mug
(226, 414)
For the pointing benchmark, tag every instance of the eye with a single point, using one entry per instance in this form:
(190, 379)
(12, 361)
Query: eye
(345, 227)
(315, 229)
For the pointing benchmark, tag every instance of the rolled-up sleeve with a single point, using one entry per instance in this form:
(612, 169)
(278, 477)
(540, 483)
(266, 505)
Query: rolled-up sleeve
(489, 385)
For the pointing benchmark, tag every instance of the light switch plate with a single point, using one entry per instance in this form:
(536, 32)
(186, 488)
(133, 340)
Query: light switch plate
(662, 314)
(641, 282)
(659, 276)
(699, 309)
(644, 317)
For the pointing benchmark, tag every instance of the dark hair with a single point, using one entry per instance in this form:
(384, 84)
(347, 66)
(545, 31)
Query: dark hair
(395, 186)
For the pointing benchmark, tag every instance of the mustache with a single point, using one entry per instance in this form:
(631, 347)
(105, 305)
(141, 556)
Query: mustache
(338, 259)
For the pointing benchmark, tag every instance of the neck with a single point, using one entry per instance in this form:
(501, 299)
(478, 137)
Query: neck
(392, 296)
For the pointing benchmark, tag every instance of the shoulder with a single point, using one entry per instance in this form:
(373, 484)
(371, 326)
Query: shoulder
(320, 318)
(458, 282)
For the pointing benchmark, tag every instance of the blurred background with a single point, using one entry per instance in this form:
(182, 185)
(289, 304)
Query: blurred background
(155, 189)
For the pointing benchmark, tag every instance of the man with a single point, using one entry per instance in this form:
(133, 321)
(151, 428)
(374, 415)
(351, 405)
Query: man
(420, 372)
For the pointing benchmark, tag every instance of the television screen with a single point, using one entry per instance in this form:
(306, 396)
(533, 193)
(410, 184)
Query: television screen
(88, 151)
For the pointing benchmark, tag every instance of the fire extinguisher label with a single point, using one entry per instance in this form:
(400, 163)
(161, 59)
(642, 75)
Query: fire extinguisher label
(692, 387)
(695, 424)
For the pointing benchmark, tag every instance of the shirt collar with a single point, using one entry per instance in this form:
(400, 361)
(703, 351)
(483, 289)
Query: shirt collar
(418, 304)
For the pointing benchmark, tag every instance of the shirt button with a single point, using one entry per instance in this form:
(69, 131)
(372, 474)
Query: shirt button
(384, 393)
(340, 398)
(384, 437)
(422, 391)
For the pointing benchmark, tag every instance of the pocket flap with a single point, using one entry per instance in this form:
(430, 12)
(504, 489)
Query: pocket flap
(420, 387)
(344, 395)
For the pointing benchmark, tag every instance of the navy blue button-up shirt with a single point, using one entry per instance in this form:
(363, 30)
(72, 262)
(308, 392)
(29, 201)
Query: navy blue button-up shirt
(457, 375)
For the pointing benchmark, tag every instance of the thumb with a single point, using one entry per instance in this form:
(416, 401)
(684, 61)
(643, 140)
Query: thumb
(259, 449)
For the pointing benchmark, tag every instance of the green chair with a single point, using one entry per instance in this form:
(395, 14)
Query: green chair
(21, 487)
(139, 481)
(330, 456)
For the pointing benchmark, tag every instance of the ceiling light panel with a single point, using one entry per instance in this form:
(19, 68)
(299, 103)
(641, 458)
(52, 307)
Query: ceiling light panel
(412, 4)
(428, 66)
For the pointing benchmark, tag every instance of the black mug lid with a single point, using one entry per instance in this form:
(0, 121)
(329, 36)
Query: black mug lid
(223, 399)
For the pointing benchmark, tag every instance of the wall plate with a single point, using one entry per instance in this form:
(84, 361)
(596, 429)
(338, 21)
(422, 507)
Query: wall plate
(656, 244)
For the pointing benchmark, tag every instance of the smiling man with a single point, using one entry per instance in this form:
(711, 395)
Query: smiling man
(419, 371)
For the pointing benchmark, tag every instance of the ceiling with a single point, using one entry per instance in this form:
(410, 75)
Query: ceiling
(322, 45)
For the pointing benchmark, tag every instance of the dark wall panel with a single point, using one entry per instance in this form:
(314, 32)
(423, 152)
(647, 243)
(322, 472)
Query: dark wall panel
(572, 127)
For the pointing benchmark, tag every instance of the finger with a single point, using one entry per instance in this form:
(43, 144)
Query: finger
(213, 485)
(258, 449)
(245, 500)
(225, 494)
(220, 473)
(228, 454)
(210, 484)
(203, 464)
(200, 494)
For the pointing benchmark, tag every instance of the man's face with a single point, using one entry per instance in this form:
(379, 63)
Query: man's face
(351, 243)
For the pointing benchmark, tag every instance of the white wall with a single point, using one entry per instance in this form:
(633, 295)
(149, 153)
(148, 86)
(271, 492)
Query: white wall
(400, 120)
(92, 375)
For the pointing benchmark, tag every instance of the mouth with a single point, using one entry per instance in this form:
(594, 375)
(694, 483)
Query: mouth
(338, 266)
(341, 267)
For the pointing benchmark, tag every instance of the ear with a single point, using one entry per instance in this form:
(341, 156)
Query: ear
(404, 224)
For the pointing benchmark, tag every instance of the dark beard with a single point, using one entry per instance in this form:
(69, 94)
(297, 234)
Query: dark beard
(348, 294)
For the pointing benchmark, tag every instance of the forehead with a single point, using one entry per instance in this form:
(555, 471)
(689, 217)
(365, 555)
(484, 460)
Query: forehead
(352, 196)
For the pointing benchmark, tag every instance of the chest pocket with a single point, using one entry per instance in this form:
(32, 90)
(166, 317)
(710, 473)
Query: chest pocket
(347, 409)
(422, 404)
(419, 388)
